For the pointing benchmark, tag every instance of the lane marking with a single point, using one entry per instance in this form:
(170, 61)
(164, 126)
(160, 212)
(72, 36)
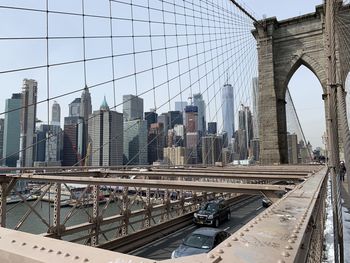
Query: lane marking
(227, 228)
(259, 208)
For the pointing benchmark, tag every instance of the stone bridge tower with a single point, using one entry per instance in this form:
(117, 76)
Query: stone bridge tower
(283, 46)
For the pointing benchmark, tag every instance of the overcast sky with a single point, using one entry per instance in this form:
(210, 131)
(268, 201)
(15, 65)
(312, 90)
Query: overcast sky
(303, 84)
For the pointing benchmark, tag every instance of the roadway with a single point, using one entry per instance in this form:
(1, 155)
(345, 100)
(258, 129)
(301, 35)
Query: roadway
(162, 248)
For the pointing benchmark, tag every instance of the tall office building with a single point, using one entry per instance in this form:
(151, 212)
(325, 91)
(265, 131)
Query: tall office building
(74, 108)
(135, 142)
(180, 105)
(245, 123)
(72, 140)
(164, 118)
(255, 108)
(49, 141)
(155, 142)
(12, 129)
(2, 126)
(228, 116)
(106, 137)
(151, 117)
(192, 134)
(85, 112)
(212, 149)
(175, 155)
(56, 114)
(212, 128)
(180, 135)
(28, 119)
(175, 117)
(132, 107)
(200, 103)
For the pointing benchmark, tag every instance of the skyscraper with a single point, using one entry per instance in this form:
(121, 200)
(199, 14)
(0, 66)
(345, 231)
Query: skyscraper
(228, 116)
(191, 118)
(212, 128)
(85, 112)
(245, 123)
(2, 124)
(135, 142)
(12, 130)
(132, 107)
(56, 114)
(180, 105)
(155, 142)
(175, 117)
(28, 119)
(200, 103)
(212, 149)
(106, 137)
(192, 134)
(74, 108)
(72, 140)
(151, 117)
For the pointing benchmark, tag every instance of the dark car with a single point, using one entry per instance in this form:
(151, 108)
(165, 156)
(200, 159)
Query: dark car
(202, 240)
(266, 202)
(212, 213)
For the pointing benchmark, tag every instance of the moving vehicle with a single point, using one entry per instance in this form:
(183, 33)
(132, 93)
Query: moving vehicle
(202, 240)
(212, 213)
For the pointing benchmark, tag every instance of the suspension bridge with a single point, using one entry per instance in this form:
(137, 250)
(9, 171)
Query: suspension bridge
(119, 184)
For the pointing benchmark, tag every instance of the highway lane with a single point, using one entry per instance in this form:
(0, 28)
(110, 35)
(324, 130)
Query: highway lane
(162, 248)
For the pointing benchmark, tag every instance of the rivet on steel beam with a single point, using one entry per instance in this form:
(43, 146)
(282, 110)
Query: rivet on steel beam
(228, 245)
(255, 221)
(59, 252)
(246, 229)
(220, 251)
(86, 260)
(291, 241)
(295, 231)
(24, 243)
(251, 225)
(293, 236)
(241, 234)
(13, 241)
(42, 248)
(76, 257)
(288, 247)
(67, 255)
(281, 261)
(235, 239)
(50, 251)
(35, 246)
(211, 256)
(285, 254)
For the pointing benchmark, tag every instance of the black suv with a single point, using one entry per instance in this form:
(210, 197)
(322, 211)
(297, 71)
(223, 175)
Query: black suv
(212, 213)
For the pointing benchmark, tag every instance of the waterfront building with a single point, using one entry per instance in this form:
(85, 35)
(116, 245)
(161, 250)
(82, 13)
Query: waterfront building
(72, 140)
(175, 155)
(85, 112)
(12, 130)
(155, 142)
(106, 137)
(28, 121)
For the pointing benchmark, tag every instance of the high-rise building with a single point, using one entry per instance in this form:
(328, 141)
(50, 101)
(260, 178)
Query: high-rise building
(72, 140)
(175, 117)
(228, 116)
(151, 117)
(155, 142)
(191, 118)
(255, 107)
(28, 119)
(12, 130)
(180, 135)
(74, 108)
(212, 149)
(175, 155)
(56, 114)
(2, 126)
(180, 105)
(200, 103)
(240, 146)
(164, 119)
(106, 137)
(212, 128)
(132, 107)
(85, 112)
(245, 123)
(49, 142)
(135, 142)
(255, 144)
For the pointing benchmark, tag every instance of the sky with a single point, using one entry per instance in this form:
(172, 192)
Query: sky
(16, 54)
